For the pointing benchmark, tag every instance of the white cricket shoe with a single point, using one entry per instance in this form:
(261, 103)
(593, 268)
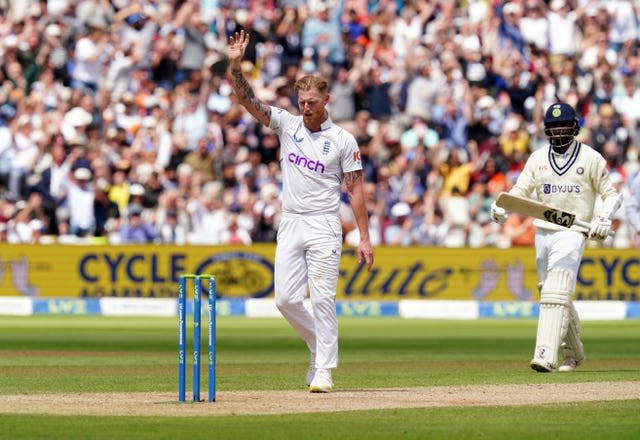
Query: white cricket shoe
(542, 366)
(311, 372)
(569, 365)
(321, 382)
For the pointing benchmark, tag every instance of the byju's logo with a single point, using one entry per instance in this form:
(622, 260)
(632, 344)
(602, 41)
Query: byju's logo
(549, 188)
(301, 161)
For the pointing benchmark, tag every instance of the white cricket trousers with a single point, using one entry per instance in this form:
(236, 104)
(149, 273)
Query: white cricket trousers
(558, 250)
(308, 256)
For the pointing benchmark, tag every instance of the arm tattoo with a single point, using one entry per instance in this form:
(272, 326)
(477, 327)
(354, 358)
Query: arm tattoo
(245, 94)
(352, 177)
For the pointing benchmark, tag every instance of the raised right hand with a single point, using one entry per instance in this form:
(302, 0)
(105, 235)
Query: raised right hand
(237, 45)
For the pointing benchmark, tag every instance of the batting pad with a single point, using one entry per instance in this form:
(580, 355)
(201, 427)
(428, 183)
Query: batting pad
(554, 317)
(572, 346)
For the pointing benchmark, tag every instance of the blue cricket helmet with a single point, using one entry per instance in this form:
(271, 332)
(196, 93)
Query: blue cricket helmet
(561, 124)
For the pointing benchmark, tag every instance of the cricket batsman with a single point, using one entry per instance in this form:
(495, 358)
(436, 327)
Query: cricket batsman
(570, 175)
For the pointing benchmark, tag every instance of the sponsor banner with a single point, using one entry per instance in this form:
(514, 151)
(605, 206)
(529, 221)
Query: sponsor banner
(367, 308)
(633, 310)
(438, 309)
(499, 309)
(266, 308)
(66, 306)
(229, 307)
(14, 306)
(133, 271)
(152, 271)
(138, 306)
(224, 307)
(587, 310)
(601, 310)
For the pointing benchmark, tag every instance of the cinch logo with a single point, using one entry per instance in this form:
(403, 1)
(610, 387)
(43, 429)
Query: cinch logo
(356, 156)
(559, 189)
(301, 161)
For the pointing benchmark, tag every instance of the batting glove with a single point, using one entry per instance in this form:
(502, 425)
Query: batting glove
(599, 228)
(498, 214)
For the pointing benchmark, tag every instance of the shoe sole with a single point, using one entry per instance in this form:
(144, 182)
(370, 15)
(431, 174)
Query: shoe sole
(540, 368)
(319, 390)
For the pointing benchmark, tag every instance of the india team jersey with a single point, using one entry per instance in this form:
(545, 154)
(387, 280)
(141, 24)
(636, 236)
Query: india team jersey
(313, 164)
(571, 183)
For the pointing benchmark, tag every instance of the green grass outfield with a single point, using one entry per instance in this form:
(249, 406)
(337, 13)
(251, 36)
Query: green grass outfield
(45, 355)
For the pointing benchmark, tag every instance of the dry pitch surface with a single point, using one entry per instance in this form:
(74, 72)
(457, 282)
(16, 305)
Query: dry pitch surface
(283, 402)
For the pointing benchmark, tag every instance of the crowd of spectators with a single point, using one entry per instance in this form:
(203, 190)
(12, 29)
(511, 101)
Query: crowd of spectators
(118, 125)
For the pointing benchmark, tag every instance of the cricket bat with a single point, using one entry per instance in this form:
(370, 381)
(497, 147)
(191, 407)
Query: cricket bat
(533, 208)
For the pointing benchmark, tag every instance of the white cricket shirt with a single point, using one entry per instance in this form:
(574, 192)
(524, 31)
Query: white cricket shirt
(313, 164)
(632, 209)
(570, 183)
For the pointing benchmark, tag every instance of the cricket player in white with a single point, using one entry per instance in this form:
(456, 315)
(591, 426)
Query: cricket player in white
(566, 174)
(632, 209)
(316, 158)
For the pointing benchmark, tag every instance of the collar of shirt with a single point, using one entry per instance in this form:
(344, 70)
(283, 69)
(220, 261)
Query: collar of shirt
(567, 153)
(326, 124)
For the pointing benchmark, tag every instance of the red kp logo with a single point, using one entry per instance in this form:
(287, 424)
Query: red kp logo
(356, 156)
